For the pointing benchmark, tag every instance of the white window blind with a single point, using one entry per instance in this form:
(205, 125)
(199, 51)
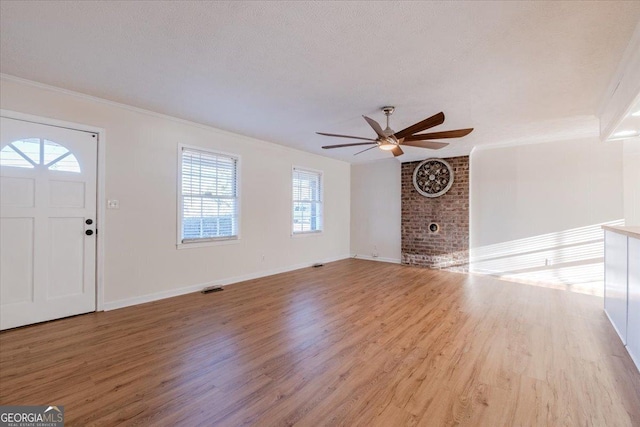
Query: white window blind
(307, 201)
(209, 193)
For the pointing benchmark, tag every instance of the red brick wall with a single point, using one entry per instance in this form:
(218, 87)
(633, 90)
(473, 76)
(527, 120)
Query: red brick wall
(448, 248)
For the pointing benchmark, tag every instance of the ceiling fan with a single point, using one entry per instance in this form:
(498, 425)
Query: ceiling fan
(391, 141)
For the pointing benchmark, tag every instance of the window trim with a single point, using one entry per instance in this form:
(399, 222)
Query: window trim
(296, 234)
(213, 241)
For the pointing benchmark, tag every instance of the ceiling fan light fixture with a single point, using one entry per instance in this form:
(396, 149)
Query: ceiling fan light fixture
(387, 146)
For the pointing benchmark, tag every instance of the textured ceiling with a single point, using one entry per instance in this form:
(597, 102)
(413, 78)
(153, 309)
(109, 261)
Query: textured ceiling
(279, 71)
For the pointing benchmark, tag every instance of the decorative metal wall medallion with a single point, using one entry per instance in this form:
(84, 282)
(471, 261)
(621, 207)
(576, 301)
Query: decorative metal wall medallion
(433, 177)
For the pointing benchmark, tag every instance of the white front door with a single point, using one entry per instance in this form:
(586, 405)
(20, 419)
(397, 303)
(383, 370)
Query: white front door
(47, 222)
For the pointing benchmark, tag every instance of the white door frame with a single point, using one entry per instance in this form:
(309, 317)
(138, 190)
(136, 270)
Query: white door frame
(100, 190)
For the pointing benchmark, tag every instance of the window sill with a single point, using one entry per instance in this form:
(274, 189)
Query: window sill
(206, 243)
(307, 234)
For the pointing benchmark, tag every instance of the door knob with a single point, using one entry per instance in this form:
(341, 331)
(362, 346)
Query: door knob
(89, 221)
(88, 232)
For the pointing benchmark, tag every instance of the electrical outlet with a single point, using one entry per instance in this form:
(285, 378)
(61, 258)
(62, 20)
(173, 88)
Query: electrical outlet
(113, 204)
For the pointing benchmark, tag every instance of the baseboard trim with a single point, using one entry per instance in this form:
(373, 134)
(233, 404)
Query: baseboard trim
(485, 272)
(624, 341)
(379, 259)
(128, 302)
(635, 360)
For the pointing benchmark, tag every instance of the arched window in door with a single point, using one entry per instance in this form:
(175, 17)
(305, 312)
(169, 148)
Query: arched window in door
(39, 153)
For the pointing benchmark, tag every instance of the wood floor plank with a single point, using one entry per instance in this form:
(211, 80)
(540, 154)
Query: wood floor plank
(354, 343)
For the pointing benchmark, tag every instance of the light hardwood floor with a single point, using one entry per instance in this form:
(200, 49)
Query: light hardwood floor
(352, 343)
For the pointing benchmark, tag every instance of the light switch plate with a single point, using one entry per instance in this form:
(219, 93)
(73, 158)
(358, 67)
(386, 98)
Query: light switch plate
(113, 204)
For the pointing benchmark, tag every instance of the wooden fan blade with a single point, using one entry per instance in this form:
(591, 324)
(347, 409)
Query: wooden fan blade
(427, 123)
(366, 149)
(347, 145)
(376, 127)
(458, 133)
(345, 136)
(425, 144)
(397, 151)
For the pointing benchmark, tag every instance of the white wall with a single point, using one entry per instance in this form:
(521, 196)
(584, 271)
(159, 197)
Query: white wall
(376, 210)
(631, 177)
(141, 259)
(536, 210)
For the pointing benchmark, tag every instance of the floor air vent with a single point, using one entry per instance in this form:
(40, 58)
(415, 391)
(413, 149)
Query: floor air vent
(212, 289)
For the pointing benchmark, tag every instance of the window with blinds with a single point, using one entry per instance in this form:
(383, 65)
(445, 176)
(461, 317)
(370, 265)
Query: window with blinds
(209, 196)
(307, 201)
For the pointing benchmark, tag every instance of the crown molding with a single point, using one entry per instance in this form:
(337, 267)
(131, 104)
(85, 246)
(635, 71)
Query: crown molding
(623, 88)
(139, 110)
